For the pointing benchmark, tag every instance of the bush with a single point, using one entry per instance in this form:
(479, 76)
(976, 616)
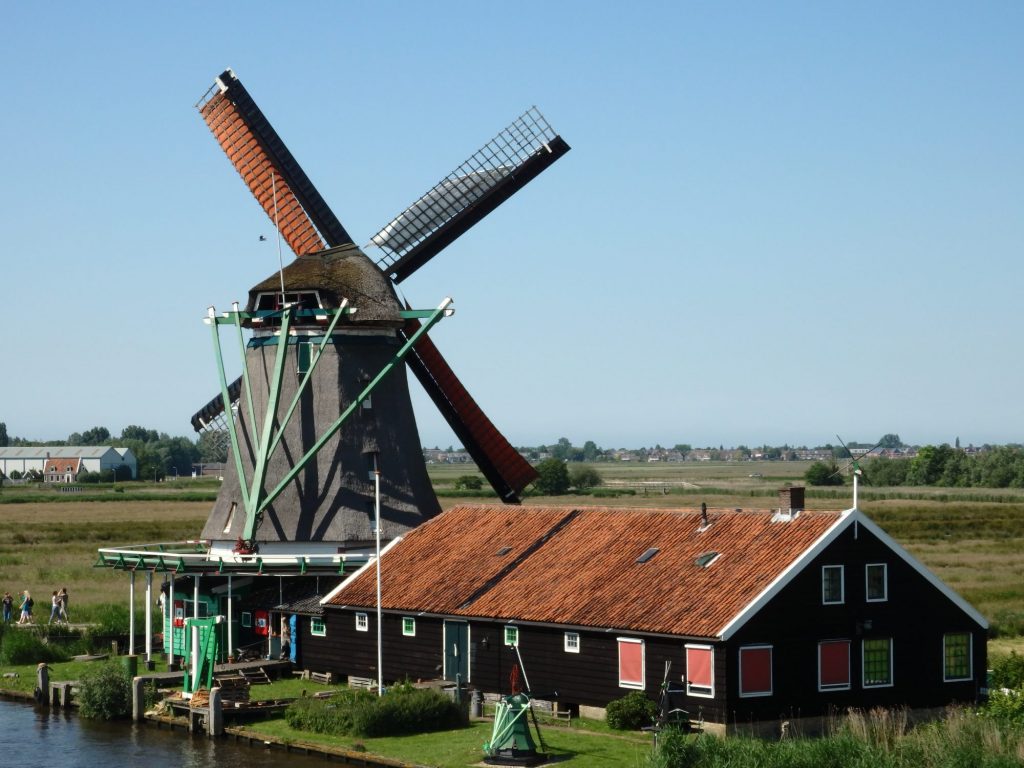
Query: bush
(553, 477)
(468, 483)
(105, 692)
(401, 711)
(632, 712)
(1008, 671)
(108, 619)
(584, 477)
(27, 646)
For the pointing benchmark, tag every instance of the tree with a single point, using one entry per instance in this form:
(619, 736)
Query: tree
(885, 471)
(890, 442)
(4, 440)
(929, 465)
(561, 450)
(553, 477)
(135, 432)
(822, 473)
(585, 477)
(95, 436)
(213, 446)
(683, 448)
(468, 483)
(590, 451)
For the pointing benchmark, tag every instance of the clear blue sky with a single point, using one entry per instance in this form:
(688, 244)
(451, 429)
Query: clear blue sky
(779, 221)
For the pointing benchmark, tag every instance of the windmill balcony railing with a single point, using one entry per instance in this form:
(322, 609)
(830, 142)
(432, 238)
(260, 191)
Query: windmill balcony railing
(192, 557)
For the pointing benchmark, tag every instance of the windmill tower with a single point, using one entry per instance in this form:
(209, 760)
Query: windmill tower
(323, 401)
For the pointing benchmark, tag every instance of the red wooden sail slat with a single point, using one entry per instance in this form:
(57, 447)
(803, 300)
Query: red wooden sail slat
(255, 166)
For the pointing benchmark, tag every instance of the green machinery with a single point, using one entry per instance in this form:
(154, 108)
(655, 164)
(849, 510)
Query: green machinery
(511, 741)
(203, 656)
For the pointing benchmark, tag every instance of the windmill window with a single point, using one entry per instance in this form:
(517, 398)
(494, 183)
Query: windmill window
(832, 591)
(706, 559)
(834, 665)
(756, 670)
(631, 663)
(876, 658)
(572, 642)
(362, 622)
(408, 626)
(303, 354)
(647, 555)
(368, 403)
(512, 636)
(317, 628)
(876, 582)
(700, 666)
(957, 657)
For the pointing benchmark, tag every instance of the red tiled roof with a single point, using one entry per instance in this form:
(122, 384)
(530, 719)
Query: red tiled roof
(60, 465)
(585, 572)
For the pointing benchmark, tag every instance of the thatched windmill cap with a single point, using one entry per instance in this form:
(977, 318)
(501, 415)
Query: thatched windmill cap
(335, 274)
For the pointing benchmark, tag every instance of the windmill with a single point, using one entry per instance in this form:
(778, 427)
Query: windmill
(853, 465)
(334, 313)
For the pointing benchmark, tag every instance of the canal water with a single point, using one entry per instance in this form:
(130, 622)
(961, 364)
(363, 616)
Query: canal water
(31, 737)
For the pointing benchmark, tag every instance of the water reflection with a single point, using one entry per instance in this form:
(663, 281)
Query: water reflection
(31, 737)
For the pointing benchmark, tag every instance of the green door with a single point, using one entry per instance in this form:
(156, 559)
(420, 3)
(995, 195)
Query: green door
(456, 650)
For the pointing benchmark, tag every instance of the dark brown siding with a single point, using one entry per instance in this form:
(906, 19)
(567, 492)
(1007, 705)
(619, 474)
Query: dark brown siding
(916, 616)
(355, 653)
(312, 652)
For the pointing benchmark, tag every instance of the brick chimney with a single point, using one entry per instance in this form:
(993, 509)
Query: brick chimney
(791, 499)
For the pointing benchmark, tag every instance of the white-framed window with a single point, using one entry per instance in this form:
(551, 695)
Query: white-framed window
(832, 588)
(572, 642)
(631, 663)
(957, 656)
(246, 619)
(755, 670)
(409, 626)
(876, 582)
(834, 665)
(362, 622)
(511, 635)
(700, 671)
(317, 628)
(876, 662)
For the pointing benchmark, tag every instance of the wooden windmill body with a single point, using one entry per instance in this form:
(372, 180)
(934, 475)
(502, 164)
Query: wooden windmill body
(329, 337)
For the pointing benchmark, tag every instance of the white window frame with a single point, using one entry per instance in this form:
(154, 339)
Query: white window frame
(515, 635)
(362, 622)
(571, 642)
(842, 585)
(643, 664)
(246, 619)
(408, 630)
(849, 664)
(322, 632)
(885, 583)
(970, 658)
(701, 691)
(863, 667)
(771, 670)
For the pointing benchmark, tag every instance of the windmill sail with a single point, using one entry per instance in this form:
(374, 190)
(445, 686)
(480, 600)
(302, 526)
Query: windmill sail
(490, 176)
(257, 152)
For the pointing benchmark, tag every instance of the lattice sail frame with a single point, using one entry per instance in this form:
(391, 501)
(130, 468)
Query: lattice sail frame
(499, 158)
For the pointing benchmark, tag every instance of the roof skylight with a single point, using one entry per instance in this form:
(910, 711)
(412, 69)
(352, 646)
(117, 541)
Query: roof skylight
(648, 555)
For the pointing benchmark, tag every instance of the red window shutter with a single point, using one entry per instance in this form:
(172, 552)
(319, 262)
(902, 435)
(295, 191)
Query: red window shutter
(834, 661)
(698, 666)
(755, 670)
(631, 663)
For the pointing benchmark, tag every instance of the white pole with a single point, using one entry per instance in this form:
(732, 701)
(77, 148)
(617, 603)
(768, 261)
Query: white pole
(231, 639)
(149, 617)
(169, 619)
(376, 514)
(856, 473)
(194, 661)
(131, 613)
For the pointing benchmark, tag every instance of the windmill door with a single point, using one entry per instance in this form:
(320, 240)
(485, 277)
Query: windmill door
(456, 650)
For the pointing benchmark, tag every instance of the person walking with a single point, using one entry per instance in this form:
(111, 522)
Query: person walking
(54, 608)
(63, 595)
(8, 603)
(26, 608)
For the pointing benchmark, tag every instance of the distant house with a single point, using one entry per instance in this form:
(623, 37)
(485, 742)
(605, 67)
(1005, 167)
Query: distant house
(62, 470)
(90, 458)
(753, 615)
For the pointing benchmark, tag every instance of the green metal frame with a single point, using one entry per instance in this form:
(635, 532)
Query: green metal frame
(255, 497)
(208, 649)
